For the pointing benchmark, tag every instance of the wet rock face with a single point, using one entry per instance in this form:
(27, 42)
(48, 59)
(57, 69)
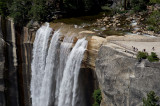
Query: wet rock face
(27, 39)
(11, 72)
(8, 64)
(2, 61)
(124, 81)
(15, 64)
(87, 83)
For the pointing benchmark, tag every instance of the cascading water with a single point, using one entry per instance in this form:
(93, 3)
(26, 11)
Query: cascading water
(64, 52)
(55, 73)
(39, 61)
(50, 64)
(67, 95)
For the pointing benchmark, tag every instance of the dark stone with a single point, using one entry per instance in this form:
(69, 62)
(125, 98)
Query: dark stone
(87, 83)
(2, 68)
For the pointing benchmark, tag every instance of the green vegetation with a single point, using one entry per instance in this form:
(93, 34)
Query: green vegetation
(97, 97)
(38, 10)
(44, 10)
(19, 10)
(139, 5)
(24, 10)
(151, 100)
(153, 21)
(142, 55)
(153, 57)
(3, 7)
(154, 1)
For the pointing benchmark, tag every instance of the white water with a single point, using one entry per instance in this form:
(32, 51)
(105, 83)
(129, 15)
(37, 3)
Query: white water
(50, 64)
(65, 49)
(55, 73)
(68, 88)
(38, 61)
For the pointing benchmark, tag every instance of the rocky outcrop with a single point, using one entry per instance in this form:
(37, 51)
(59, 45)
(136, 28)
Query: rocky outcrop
(26, 45)
(15, 64)
(8, 71)
(2, 68)
(123, 80)
(94, 42)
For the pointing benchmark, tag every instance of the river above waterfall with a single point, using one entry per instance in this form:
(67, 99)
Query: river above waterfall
(107, 24)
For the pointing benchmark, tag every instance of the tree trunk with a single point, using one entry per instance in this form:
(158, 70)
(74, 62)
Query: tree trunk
(125, 4)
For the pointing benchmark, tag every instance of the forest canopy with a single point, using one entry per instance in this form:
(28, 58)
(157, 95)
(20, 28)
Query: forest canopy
(44, 10)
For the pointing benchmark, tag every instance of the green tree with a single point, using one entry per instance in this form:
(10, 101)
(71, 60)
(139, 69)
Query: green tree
(151, 100)
(3, 7)
(19, 10)
(139, 5)
(125, 4)
(153, 57)
(153, 20)
(97, 97)
(142, 55)
(38, 10)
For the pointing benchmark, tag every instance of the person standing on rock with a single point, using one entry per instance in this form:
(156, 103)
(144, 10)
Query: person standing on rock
(153, 49)
(144, 50)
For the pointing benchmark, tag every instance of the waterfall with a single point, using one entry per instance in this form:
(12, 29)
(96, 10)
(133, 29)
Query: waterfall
(39, 61)
(64, 52)
(55, 69)
(67, 95)
(50, 64)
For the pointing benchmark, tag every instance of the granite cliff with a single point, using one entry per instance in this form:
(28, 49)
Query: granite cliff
(122, 79)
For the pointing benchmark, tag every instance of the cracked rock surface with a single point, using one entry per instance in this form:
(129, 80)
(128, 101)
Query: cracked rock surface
(124, 81)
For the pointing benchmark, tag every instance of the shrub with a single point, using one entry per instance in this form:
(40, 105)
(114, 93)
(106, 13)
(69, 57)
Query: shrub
(151, 100)
(151, 28)
(139, 5)
(142, 55)
(97, 97)
(154, 20)
(154, 1)
(153, 57)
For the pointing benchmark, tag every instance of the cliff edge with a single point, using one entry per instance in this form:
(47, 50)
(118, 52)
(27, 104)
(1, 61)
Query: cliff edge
(123, 80)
